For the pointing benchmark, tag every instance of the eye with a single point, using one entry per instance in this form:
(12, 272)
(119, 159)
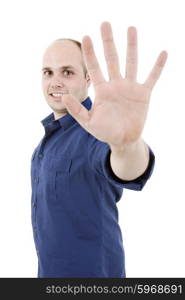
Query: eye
(66, 72)
(45, 72)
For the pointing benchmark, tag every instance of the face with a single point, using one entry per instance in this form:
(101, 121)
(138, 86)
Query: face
(62, 72)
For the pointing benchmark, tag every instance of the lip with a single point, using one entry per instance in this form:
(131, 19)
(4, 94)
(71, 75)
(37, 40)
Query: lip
(58, 92)
(57, 99)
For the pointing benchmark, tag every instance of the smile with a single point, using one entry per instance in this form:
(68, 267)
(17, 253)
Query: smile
(56, 95)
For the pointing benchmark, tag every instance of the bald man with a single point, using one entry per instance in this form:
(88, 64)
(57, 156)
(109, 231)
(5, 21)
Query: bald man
(89, 154)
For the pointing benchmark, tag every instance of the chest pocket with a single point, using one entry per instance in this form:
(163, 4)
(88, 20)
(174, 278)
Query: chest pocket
(61, 168)
(61, 164)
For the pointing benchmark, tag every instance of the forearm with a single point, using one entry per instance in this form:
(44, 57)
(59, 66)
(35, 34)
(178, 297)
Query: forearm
(131, 161)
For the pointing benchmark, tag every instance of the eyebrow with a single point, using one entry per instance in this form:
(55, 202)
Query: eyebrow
(63, 67)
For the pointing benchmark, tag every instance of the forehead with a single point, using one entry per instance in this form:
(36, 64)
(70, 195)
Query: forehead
(62, 53)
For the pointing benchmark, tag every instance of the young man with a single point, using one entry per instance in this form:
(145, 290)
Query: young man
(90, 152)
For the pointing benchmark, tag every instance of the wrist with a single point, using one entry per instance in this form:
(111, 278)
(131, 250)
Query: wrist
(132, 147)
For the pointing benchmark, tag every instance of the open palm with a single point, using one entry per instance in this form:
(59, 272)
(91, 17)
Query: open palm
(120, 107)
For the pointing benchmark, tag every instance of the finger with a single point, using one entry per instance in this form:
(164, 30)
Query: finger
(156, 71)
(110, 52)
(131, 59)
(91, 62)
(76, 109)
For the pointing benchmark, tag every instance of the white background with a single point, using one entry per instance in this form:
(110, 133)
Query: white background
(152, 221)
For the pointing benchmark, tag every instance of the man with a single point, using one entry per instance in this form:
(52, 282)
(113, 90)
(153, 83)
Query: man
(90, 152)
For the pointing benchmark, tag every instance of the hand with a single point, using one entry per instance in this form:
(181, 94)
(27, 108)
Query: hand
(120, 107)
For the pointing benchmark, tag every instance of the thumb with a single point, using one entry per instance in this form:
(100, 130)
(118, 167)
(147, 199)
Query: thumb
(76, 109)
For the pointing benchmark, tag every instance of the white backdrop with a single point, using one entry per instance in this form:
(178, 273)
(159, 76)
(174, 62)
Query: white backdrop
(152, 221)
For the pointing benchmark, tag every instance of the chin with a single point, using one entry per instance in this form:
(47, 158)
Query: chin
(61, 110)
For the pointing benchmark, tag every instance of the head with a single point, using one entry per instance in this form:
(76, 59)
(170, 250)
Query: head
(64, 71)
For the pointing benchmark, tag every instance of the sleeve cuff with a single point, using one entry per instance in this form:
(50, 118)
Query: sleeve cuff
(136, 184)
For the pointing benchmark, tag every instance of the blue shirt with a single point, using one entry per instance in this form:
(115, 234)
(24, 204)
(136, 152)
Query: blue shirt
(74, 202)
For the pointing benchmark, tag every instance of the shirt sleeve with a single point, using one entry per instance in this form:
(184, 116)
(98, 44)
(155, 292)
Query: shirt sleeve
(99, 160)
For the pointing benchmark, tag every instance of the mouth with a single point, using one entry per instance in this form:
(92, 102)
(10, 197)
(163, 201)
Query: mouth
(56, 96)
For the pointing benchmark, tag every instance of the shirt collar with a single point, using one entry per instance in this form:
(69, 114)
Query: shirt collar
(50, 124)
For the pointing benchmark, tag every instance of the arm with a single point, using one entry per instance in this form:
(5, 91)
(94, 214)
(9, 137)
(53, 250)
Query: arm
(131, 161)
(120, 107)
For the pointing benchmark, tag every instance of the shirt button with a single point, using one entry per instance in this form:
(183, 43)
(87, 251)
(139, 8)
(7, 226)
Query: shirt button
(36, 179)
(35, 227)
(40, 155)
(34, 204)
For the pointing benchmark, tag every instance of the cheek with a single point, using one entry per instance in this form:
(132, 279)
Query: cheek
(78, 84)
(45, 86)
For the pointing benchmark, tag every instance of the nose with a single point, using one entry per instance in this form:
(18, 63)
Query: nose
(57, 82)
(56, 86)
